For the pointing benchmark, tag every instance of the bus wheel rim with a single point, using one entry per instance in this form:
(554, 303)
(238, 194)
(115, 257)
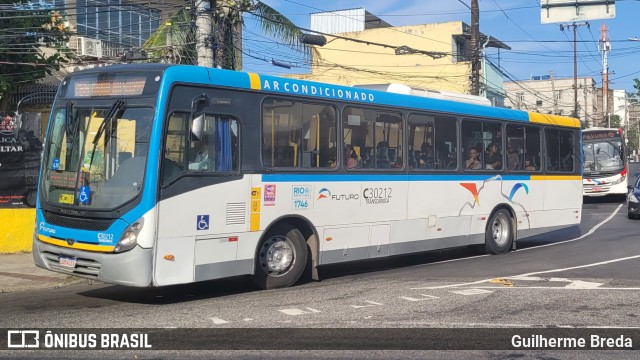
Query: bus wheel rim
(278, 255)
(500, 230)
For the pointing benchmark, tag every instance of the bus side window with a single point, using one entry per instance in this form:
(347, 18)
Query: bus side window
(298, 135)
(217, 150)
(174, 154)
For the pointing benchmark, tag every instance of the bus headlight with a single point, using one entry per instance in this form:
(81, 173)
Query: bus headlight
(632, 198)
(129, 237)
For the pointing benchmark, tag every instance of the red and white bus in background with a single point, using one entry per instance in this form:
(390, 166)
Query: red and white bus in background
(604, 161)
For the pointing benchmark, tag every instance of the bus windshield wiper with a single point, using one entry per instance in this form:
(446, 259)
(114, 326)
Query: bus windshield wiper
(117, 106)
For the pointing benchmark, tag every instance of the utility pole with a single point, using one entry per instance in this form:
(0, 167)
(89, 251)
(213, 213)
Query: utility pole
(475, 51)
(575, 64)
(203, 32)
(604, 45)
(553, 93)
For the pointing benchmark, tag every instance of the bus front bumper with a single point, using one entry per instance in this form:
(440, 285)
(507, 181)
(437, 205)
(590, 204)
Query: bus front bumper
(130, 268)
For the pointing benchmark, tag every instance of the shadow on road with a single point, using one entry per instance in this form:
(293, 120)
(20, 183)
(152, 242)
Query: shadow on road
(173, 294)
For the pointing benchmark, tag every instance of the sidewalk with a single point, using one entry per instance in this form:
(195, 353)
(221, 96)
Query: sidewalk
(18, 273)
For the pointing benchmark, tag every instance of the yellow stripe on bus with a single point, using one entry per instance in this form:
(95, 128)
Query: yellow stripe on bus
(76, 245)
(556, 177)
(553, 120)
(254, 80)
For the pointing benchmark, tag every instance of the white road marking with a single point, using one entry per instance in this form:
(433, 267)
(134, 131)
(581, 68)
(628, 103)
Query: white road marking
(557, 288)
(573, 284)
(582, 266)
(526, 278)
(472, 292)
(371, 303)
(451, 285)
(295, 312)
(531, 273)
(593, 229)
(247, 319)
(218, 321)
(424, 297)
(579, 284)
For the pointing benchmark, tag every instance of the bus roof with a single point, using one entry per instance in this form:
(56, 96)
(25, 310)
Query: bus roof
(363, 95)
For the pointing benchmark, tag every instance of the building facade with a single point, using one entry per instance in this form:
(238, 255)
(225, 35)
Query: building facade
(352, 58)
(547, 95)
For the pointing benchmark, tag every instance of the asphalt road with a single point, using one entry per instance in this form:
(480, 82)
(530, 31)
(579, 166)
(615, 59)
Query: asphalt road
(588, 277)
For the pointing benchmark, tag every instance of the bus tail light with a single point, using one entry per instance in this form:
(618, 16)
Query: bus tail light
(129, 237)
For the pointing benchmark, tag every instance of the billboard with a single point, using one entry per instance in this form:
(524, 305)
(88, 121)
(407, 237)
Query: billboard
(20, 150)
(566, 11)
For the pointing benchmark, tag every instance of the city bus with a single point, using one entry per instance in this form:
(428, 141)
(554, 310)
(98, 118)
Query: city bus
(605, 162)
(155, 175)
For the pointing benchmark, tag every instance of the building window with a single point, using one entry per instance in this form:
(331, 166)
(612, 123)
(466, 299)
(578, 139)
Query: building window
(520, 97)
(558, 95)
(116, 21)
(538, 102)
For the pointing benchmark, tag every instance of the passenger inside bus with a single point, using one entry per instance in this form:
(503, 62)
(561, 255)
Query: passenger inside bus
(425, 156)
(350, 156)
(201, 160)
(472, 162)
(494, 157)
(513, 159)
(382, 155)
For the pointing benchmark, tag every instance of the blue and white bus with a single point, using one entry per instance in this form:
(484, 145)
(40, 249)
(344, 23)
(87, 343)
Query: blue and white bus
(155, 175)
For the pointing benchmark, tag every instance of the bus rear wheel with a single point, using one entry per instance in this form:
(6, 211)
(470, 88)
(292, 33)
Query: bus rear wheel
(281, 258)
(499, 234)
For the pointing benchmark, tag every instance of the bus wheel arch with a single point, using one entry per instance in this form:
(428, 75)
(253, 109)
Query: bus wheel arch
(285, 253)
(501, 230)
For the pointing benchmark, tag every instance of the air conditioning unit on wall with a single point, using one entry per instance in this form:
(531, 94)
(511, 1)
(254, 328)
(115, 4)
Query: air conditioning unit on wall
(89, 47)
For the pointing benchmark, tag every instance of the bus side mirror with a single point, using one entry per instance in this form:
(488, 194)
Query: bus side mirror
(197, 122)
(197, 127)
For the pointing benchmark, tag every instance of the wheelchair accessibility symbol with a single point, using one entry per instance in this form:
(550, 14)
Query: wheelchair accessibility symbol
(203, 222)
(85, 193)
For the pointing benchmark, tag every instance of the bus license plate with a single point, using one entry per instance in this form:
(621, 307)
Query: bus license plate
(597, 189)
(67, 261)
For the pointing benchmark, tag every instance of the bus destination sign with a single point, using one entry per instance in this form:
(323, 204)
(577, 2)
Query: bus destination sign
(600, 135)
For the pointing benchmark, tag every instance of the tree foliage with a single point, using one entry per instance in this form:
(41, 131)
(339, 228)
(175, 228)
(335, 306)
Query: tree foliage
(226, 33)
(32, 45)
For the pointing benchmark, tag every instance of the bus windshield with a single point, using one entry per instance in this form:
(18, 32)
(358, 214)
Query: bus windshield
(96, 156)
(603, 156)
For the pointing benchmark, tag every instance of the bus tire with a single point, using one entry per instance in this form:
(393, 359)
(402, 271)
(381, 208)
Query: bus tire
(499, 234)
(281, 257)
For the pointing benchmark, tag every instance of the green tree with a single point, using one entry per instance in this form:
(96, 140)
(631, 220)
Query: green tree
(32, 45)
(613, 122)
(226, 33)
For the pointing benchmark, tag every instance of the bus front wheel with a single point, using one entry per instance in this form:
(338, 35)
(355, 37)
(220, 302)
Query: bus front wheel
(281, 258)
(499, 235)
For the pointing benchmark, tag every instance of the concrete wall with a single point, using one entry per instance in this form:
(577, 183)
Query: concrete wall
(16, 230)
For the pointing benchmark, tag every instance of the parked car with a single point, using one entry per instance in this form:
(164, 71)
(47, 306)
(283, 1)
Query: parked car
(633, 199)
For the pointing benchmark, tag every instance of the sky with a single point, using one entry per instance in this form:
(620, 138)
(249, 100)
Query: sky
(536, 48)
